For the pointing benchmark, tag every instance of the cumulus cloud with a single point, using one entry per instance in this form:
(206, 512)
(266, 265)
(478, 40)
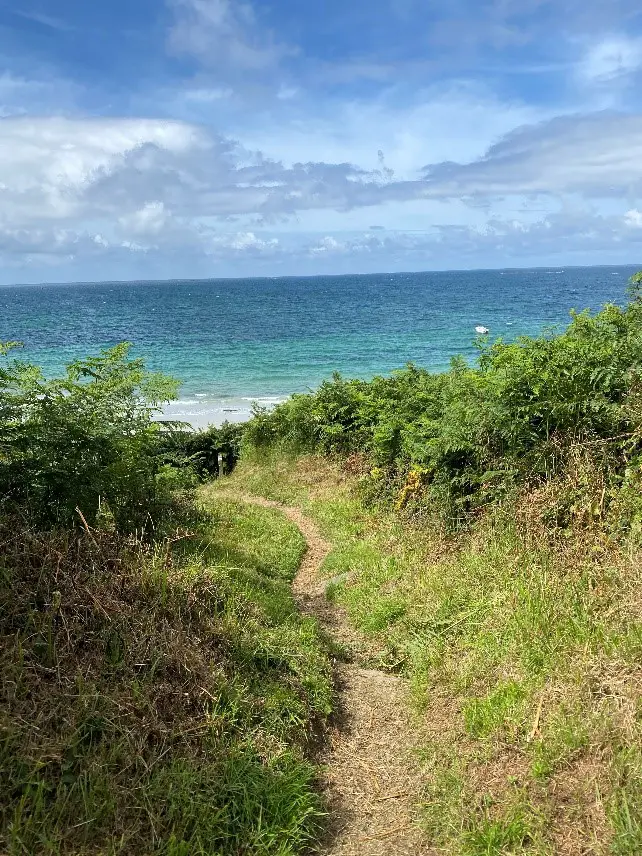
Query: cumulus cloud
(49, 242)
(367, 243)
(499, 239)
(244, 241)
(597, 155)
(633, 218)
(77, 188)
(568, 231)
(74, 188)
(151, 219)
(48, 166)
(146, 172)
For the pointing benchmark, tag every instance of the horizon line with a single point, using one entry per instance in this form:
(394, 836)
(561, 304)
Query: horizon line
(312, 276)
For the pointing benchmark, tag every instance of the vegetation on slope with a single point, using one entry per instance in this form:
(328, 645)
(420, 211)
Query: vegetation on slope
(522, 652)
(158, 685)
(486, 524)
(529, 413)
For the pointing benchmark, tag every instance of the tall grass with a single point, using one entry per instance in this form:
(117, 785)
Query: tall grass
(158, 697)
(488, 536)
(159, 688)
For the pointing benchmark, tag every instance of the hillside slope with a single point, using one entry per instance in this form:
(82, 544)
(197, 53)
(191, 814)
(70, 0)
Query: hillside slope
(158, 698)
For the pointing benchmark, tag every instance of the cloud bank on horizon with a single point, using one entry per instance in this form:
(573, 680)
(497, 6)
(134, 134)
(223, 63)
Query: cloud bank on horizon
(186, 138)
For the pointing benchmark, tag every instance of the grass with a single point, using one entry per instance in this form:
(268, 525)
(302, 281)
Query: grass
(523, 653)
(158, 698)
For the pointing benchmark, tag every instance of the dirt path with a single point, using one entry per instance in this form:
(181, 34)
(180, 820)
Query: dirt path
(369, 778)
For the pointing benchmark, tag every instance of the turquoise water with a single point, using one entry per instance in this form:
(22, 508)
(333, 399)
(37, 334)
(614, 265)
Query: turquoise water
(234, 341)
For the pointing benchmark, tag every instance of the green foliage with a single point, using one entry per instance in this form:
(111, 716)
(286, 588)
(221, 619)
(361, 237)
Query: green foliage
(498, 710)
(199, 451)
(88, 437)
(475, 433)
(566, 736)
(158, 689)
(625, 809)
(499, 837)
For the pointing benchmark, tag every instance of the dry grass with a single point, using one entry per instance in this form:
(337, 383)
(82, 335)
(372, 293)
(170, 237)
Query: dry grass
(157, 698)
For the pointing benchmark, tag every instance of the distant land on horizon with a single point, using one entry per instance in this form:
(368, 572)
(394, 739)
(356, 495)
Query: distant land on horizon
(426, 271)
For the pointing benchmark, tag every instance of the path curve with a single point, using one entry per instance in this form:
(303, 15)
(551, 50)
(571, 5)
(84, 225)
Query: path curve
(369, 778)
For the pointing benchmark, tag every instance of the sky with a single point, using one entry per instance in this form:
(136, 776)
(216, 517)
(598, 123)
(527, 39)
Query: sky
(144, 139)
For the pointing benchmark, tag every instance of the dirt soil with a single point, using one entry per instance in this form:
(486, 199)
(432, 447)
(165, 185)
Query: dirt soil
(371, 781)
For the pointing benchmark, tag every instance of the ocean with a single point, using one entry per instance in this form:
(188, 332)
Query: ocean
(233, 342)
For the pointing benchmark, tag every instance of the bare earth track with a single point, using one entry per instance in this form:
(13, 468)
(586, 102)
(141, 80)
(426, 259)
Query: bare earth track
(370, 779)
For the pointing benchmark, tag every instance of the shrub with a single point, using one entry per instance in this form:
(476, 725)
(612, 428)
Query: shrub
(477, 433)
(199, 451)
(82, 440)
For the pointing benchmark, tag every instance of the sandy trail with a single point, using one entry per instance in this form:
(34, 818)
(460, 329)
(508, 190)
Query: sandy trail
(371, 782)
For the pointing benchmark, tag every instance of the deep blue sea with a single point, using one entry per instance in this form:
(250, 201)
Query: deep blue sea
(234, 341)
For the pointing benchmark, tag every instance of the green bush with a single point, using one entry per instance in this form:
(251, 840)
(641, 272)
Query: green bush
(81, 441)
(472, 434)
(199, 451)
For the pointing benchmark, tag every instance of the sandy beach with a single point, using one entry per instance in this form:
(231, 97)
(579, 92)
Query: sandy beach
(201, 412)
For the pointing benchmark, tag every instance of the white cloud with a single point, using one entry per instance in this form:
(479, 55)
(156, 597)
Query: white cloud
(597, 156)
(244, 241)
(633, 218)
(500, 239)
(82, 188)
(141, 171)
(458, 121)
(47, 166)
(328, 244)
(148, 220)
(224, 35)
(53, 243)
(614, 57)
(566, 233)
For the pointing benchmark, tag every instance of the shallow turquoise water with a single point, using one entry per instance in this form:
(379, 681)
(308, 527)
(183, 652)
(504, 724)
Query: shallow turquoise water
(232, 341)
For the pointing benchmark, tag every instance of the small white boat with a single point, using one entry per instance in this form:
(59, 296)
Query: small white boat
(483, 331)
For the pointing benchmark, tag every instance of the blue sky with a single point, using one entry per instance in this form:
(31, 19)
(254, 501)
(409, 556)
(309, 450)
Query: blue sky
(187, 138)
